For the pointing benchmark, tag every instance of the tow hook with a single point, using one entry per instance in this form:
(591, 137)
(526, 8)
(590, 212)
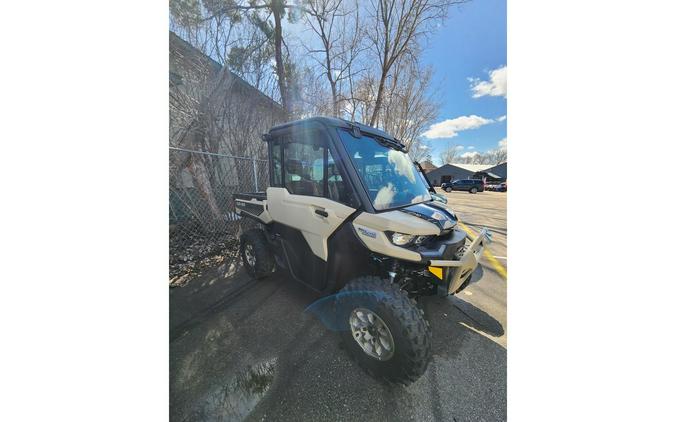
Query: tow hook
(488, 234)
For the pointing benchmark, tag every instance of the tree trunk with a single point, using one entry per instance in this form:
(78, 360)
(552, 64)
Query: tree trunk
(277, 9)
(200, 175)
(336, 104)
(378, 100)
(329, 74)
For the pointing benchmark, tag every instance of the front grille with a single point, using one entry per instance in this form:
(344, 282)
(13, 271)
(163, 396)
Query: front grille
(461, 251)
(443, 246)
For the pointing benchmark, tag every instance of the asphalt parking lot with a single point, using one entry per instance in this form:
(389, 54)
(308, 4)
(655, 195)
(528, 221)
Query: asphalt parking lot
(242, 349)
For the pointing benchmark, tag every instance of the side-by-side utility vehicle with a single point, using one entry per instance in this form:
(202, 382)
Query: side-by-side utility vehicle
(347, 213)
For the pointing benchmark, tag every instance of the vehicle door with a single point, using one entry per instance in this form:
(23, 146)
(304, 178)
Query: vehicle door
(309, 198)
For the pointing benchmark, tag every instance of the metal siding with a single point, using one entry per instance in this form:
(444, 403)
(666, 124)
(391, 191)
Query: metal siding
(449, 170)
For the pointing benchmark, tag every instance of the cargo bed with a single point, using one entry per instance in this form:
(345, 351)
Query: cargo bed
(252, 205)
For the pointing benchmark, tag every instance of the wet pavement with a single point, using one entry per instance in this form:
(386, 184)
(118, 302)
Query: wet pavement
(249, 350)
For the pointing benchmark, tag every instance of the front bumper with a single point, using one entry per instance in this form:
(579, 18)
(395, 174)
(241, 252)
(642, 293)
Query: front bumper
(456, 272)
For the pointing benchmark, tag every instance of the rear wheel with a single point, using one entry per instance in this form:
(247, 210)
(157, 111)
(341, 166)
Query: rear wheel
(255, 253)
(473, 190)
(385, 333)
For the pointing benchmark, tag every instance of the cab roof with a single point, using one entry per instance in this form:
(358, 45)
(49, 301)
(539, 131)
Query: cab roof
(332, 122)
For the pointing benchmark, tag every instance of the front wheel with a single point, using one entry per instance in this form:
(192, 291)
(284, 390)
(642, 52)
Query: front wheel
(448, 189)
(255, 253)
(383, 330)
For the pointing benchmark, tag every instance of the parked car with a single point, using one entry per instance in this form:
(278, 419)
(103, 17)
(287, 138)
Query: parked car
(496, 187)
(468, 185)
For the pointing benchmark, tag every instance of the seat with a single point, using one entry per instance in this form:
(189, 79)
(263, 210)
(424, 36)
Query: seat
(303, 186)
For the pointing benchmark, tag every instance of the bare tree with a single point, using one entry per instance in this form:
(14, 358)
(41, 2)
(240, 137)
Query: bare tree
(409, 105)
(493, 156)
(338, 30)
(419, 151)
(252, 53)
(212, 36)
(278, 10)
(397, 28)
(450, 155)
(242, 41)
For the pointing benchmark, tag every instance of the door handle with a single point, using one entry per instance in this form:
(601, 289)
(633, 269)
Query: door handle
(321, 213)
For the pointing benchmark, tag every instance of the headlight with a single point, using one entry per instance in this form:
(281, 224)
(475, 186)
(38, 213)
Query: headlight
(401, 239)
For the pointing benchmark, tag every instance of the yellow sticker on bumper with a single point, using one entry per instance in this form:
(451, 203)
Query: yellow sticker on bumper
(437, 271)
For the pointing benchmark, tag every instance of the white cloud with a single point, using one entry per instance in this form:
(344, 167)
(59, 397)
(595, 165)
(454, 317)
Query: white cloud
(460, 147)
(495, 87)
(449, 128)
(501, 118)
(401, 164)
(472, 147)
(502, 144)
(384, 196)
(469, 154)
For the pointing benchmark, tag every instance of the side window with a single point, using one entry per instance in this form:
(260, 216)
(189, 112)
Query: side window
(338, 189)
(303, 165)
(276, 164)
(310, 169)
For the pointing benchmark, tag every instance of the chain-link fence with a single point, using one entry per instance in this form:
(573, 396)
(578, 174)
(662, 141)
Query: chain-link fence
(203, 224)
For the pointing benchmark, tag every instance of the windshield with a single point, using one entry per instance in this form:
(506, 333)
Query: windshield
(389, 176)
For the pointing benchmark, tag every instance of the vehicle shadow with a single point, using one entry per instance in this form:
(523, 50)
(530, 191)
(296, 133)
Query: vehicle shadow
(196, 302)
(449, 318)
(267, 323)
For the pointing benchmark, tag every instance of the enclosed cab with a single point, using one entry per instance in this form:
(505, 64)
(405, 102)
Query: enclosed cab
(347, 210)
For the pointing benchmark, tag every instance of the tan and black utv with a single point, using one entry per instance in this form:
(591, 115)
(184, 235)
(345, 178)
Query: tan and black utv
(347, 213)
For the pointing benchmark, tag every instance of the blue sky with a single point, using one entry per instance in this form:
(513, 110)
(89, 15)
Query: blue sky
(463, 52)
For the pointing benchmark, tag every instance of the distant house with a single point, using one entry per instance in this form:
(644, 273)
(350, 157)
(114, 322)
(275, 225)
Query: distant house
(451, 172)
(499, 170)
(427, 166)
(448, 173)
(493, 174)
(473, 167)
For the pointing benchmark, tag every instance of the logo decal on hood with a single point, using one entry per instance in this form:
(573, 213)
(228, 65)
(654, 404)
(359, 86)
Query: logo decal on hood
(441, 217)
(367, 232)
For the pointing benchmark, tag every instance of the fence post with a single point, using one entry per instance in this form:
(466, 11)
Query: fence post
(255, 174)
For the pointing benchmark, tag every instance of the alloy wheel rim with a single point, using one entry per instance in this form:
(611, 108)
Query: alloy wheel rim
(371, 334)
(249, 255)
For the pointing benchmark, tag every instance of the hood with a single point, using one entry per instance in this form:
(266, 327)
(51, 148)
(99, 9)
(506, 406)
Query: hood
(433, 212)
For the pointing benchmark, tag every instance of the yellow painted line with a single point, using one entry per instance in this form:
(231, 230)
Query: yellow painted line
(495, 264)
